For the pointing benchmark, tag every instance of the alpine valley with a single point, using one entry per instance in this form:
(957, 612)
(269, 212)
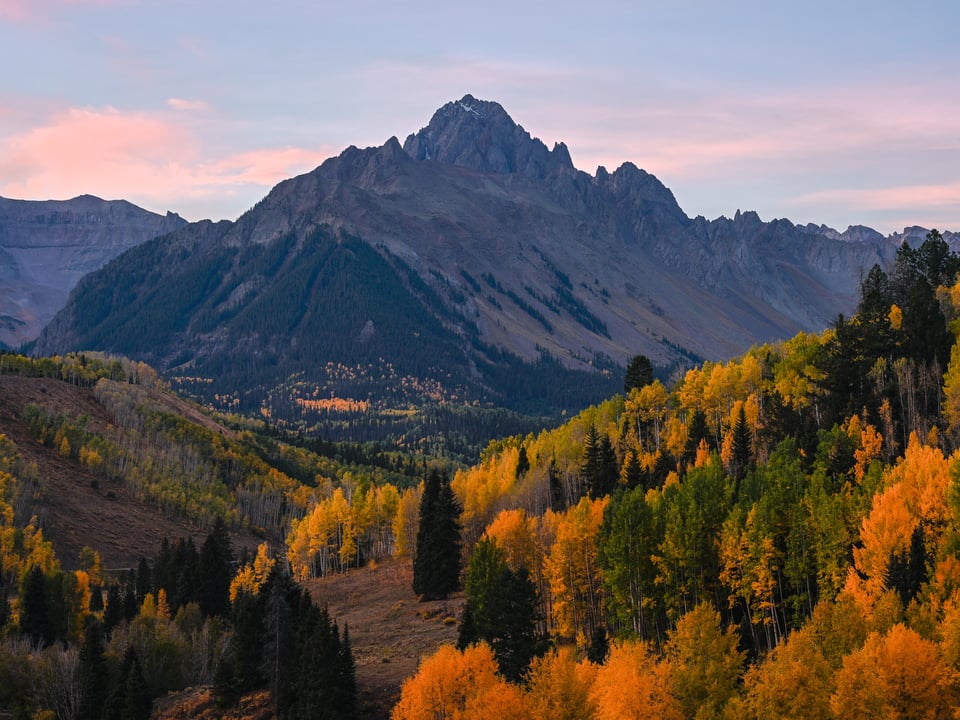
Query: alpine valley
(469, 267)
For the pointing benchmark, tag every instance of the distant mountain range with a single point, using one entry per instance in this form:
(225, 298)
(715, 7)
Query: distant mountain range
(47, 246)
(471, 263)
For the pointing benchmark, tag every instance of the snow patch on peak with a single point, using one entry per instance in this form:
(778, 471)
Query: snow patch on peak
(469, 108)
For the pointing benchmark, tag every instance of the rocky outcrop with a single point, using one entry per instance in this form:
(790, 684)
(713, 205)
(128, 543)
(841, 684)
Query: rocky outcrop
(47, 246)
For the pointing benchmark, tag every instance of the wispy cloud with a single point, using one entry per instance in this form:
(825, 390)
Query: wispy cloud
(188, 105)
(37, 10)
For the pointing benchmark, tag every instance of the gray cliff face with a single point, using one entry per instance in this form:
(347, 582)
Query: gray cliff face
(47, 246)
(480, 135)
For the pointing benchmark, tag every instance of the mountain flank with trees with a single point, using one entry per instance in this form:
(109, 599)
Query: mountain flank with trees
(468, 267)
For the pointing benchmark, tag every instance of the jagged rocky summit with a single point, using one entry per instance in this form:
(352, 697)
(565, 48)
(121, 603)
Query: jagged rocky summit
(451, 258)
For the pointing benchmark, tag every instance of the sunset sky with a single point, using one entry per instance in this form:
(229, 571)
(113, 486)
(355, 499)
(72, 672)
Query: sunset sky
(829, 112)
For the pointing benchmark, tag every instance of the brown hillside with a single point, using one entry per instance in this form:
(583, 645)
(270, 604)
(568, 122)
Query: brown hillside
(390, 631)
(78, 507)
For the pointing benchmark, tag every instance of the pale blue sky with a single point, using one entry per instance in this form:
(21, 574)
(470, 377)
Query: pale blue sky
(839, 113)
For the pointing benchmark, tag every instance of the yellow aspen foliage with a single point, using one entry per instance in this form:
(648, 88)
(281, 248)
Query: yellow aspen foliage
(23, 549)
(894, 675)
(82, 594)
(250, 578)
(691, 390)
(915, 495)
(795, 682)
(91, 562)
(705, 663)
(795, 374)
(516, 536)
(675, 435)
(704, 456)
(896, 317)
(64, 447)
(483, 491)
(949, 633)
(887, 530)
(573, 569)
(632, 685)
(91, 458)
(649, 407)
(446, 682)
(148, 607)
(869, 447)
(406, 522)
(726, 450)
(925, 475)
(951, 393)
(163, 606)
(559, 687)
(839, 627)
(501, 701)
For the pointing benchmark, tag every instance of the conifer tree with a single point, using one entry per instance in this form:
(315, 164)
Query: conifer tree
(92, 674)
(742, 455)
(216, 571)
(113, 612)
(598, 471)
(639, 373)
(523, 462)
(436, 564)
(130, 697)
(599, 647)
(144, 582)
(137, 701)
(35, 620)
(501, 610)
(4, 607)
(558, 497)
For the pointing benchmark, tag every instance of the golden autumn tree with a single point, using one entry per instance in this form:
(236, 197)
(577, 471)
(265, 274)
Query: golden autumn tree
(633, 685)
(250, 578)
(794, 682)
(705, 663)
(559, 687)
(405, 521)
(897, 675)
(574, 571)
(447, 683)
(906, 520)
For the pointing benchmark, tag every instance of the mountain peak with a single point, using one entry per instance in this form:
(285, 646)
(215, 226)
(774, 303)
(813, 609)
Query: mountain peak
(479, 134)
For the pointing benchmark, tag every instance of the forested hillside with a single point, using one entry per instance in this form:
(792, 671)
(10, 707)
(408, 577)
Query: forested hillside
(771, 537)
(774, 536)
(181, 517)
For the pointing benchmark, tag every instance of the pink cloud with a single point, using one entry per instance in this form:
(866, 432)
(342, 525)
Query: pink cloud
(188, 105)
(36, 10)
(150, 159)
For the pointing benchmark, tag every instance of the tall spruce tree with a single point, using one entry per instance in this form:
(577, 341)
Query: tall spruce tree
(437, 563)
(742, 456)
(92, 675)
(639, 373)
(216, 571)
(35, 620)
(501, 610)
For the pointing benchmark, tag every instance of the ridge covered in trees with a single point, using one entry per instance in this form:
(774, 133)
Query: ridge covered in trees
(773, 536)
(779, 539)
